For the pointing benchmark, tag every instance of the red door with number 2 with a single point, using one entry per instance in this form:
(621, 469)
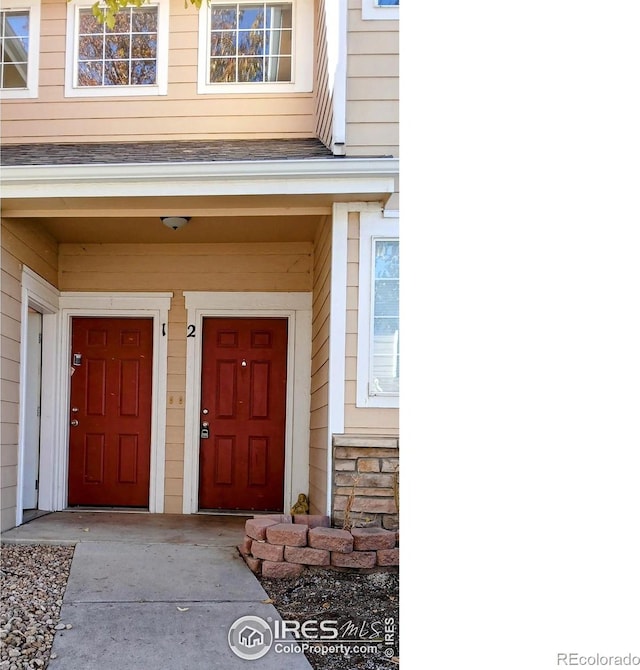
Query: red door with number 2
(242, 439)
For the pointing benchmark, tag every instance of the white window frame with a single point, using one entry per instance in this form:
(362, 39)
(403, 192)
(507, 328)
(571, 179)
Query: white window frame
(372, 11)
(71, 90)
(373, 225)
(33, 57)
(302, 57)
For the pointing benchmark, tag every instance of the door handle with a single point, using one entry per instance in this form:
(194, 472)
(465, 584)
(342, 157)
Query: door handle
(74, 422)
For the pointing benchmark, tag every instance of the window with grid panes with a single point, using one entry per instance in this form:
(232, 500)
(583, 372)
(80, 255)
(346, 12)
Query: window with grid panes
(260, 46)
(19, 48)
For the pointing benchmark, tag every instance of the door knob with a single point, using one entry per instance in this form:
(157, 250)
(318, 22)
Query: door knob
(74, 422)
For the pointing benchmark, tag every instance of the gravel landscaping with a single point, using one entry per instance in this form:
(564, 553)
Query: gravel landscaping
(360, 603)
(34, 578)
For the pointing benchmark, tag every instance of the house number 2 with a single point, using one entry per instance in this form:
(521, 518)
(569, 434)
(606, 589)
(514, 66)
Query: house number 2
(191, 330)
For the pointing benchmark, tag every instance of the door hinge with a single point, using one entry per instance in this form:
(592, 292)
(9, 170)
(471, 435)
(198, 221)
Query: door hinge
(39, 338)
(37, 484)
(38, 412)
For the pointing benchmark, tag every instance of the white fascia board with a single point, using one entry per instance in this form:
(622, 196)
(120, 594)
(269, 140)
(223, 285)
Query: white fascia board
(282, 177)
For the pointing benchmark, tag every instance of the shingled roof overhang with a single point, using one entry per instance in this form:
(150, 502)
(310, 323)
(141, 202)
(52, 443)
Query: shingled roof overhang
(215, 168)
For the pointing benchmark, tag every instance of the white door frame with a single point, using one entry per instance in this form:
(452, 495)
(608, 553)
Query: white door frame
(43, 297)
(296, 307)
(110, 305)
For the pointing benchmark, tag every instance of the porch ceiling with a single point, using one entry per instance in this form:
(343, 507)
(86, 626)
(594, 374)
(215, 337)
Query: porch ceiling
(201, 229)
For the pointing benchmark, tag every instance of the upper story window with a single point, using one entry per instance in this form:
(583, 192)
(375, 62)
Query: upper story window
(255, 46)
(378, 364)
(380, 9)
(129, 58)
(19, 36)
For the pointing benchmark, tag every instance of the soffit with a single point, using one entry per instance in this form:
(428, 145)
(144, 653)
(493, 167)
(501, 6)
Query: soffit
(199, 230)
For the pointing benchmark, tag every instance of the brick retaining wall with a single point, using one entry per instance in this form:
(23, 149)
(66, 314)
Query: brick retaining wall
(366, 470)
(279, 545)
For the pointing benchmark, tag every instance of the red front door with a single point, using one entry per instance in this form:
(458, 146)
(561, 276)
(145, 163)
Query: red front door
(244, 381)
(110, 445)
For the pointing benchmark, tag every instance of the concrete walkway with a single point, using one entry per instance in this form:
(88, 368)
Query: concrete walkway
(153, 592)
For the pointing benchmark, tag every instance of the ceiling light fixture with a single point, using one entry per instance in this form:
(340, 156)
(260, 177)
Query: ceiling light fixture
(175, 222)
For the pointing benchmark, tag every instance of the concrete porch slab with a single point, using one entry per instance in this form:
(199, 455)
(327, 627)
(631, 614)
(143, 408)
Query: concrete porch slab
(71, 527)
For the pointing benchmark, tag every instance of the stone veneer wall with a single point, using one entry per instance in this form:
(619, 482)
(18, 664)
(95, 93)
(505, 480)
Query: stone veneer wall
(278, 545)
(366, 476)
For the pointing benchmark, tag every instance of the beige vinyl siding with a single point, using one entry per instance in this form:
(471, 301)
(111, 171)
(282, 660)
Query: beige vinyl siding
(178, 268)
(319, 419)
(22, 244)
(176, 383)
(10, 380)
(33, 246)
(323, 103)
(359, 420)
(186, 267)
(181, 114)
(372, 85)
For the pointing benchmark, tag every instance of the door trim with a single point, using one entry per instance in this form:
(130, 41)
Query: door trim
(143, 305)
(296, 308)
(42, 296)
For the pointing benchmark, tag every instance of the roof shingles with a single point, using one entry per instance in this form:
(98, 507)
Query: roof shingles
(162, 152)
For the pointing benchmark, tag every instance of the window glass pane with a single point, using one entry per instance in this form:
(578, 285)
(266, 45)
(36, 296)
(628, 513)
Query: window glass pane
(144, 20)
(116, 73)
(251, 69)
(125, 55)
(251, 17)
(243, 34)
(279, 16)
(224, 17)
(90, 73)
(385, 363)
(14, 48)
(388, 3)
(223, 44)
(278, 69)
(251, 42)
(223, 69)
(123, 22)
(143, 72)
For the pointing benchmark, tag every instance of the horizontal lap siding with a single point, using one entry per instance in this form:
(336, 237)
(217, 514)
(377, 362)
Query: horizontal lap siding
(186, 267)
(323, 104)
(32, 246)
(372, 85)
(22, 244)
(319, 420)
(178, 268)
(181, 114)
(359, 420)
